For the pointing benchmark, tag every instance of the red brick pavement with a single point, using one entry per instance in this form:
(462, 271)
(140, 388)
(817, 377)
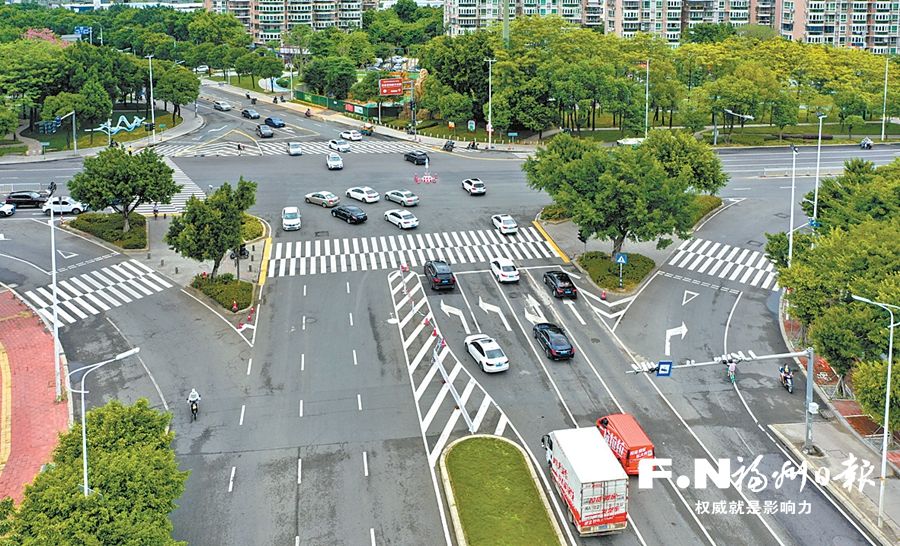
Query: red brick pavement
(27, 392)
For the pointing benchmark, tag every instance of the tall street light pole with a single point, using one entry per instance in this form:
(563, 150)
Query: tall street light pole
(490, 127)
(87, 370)
(56, 345)
(152, 103)
(647, 100)
(887, 400)
(794, 152)
(821, 117)
(884, 104)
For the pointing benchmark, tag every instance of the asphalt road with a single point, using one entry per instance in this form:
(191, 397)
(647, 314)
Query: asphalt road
(324, 430)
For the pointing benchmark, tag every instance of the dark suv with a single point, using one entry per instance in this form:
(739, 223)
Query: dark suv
(27, 198)
(553, 340)
(439, 275)
(560, 284)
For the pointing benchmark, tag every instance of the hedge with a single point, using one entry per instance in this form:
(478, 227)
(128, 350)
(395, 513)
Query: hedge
(109, 228)
(605, 272)
(555, 212)
(225, 290)
(252, 228)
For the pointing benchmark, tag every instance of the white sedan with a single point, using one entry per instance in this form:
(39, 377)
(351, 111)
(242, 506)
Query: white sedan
(339, 145)
(404, 198)
(401, 218)
(364, 194)
(487, 353)
(505, 270)
(334, 161)
(64, 205)
(351, 135)
(7, 209)
(504, 223)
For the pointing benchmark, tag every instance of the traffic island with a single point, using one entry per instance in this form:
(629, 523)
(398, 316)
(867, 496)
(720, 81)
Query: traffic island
(494, 496)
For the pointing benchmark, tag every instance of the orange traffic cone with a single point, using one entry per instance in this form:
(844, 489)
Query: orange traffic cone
(234, 307)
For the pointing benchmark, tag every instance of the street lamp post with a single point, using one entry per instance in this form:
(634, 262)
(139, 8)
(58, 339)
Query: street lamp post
(742, 116)
(821, 117)
(490, 126)
(884, 104)
(87, 370)
(74, 133)
(152, 103)
(794, 152)
(887, 400)
(647, 100)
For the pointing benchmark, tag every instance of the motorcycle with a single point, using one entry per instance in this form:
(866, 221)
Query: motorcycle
(247, 95)
(448, 146)
(732, 367)
(274, 100)
(410, 131)
(253, 100)
(788, 382)
(282, 98)
(866, 144)
(195, 407)
(472, 146)
(308, 114)
(243, 252)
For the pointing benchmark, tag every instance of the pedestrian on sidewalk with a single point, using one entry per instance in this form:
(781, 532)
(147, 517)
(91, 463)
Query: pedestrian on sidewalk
(155, 210)
(130, 150)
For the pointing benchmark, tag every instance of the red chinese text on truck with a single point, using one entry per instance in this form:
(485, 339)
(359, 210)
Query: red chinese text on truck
(626, 439)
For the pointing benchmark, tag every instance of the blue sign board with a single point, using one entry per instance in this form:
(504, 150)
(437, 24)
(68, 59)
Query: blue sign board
(83, 30)
(664, 369)
(814, 223)
(512, 134)
(622, 259)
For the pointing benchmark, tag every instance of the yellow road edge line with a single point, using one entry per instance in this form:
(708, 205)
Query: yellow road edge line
(5, 409)
(550, 240)
(264, 268)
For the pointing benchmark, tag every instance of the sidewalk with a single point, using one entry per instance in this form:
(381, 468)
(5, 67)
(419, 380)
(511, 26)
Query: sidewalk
(30, 417)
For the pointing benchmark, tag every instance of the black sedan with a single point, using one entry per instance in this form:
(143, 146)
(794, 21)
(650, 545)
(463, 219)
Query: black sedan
(250, 114)
(553, 340)
(350, 213)
(274, 122)
(418, 157)
(27, 198)
(560, 284)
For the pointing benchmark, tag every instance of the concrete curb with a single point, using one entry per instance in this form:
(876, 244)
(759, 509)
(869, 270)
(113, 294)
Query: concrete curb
(451, 501)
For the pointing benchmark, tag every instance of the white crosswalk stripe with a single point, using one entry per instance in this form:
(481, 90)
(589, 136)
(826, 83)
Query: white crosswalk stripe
(267, 147)
(370, 253)
(726, 262)
(179, 199)
(95, 291)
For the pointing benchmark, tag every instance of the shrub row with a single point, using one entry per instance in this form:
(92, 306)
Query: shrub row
(225, 289)
(605, 272)
(109, 228)
(705, 204)
(555, 212)
(252, 228)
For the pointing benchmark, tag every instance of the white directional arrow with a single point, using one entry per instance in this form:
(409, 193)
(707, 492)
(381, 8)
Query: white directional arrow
(66, 255)
(571, 305)
(450, 310)
(488, 308)
(681, 330)
(688, 296)
(2, 238)
(533, 312)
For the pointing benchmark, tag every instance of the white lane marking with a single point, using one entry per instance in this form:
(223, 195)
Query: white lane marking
(249, 364)
(348, 286)
(299, 470)
(450, 310)
(488, 307)
(302, 361)
(354, 358)
(351, 319)
(365, 464)
(571, 305)
(301, 408)
(231, 480)
(241, 422)
(359, 401)
(304, 323)
(372, 535)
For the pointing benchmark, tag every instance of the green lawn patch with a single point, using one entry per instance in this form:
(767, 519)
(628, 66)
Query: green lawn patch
(109, 228)
(62, 138)
(496, 497)
(705, 204)
(226, 290)
(555, 212)
(252, 228)
(605, 272)
(19, 149)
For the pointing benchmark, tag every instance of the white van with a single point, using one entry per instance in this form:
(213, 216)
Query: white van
(290, 218)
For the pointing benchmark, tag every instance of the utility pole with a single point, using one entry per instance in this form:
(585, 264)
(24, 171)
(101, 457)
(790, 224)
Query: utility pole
(490, 126)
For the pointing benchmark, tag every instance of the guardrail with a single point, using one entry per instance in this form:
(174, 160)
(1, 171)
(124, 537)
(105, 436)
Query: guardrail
(25, 186)
(782, 172)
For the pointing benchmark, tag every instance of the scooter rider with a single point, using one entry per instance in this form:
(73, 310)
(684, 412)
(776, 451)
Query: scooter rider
(308, 113)
(785, 373)
(193, 397)
(248, 94)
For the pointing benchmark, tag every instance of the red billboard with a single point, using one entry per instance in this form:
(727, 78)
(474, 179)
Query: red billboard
(391, 86)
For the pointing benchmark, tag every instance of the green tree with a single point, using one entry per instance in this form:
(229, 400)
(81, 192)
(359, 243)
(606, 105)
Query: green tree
(709, 33)
(784, 111)
(178, 86)
(457, 108)
(870, 385)
(132, 471)
(619, 194)
(123, 182)
(756, 32)
(269, 68)
(406, 10)
(299, 37)
(96, 107)
(9, 122)
(849, 103)
(209, 228)
(358, 48)
(853, 121)
(340, 75)
(693, 115)
(688, 159)
(245, 65)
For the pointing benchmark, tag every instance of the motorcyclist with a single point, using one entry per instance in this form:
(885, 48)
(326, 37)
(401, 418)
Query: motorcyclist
(785, 373)
(248, 94)
(732, 368)
(274, 100)
(193, 397)
(866, 143)
(308, 113)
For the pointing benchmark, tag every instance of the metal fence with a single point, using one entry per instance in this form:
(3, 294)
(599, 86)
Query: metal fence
(785, 172)
(25, 186)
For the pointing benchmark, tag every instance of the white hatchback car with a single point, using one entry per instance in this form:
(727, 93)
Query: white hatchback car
(290, 218)
(403, 219)
(351, 135)
(505, 270)
(504, 223)
(293, 148)
(222, 105)
(364, 194)
(339, 145)
(334, 161)
(487, 353)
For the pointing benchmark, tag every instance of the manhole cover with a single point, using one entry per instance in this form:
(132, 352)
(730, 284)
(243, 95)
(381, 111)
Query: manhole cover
(321, 234)
(513, 295)
(310, 320)
(755, 243)
(782, 215)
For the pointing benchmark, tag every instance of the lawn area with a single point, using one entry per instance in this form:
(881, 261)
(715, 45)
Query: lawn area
(496, 497)
(249, 83)
(109, 228)
(12, 147)
(225, 290)
(605, 272)
(62, 138)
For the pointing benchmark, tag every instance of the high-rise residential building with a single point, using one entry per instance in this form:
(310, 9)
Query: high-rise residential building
(462, 16)
(866, 24)
(269, 19)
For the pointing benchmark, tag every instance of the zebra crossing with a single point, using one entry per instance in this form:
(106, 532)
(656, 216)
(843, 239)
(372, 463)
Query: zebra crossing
(726, 262)
(100, 290)
(324, 256)
(266, 147)
(178, 200)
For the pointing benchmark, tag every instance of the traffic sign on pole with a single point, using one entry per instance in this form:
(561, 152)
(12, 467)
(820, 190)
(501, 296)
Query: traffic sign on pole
(664, 369)
(622, 259)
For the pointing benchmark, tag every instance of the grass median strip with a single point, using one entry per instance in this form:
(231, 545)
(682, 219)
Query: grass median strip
(496, 497)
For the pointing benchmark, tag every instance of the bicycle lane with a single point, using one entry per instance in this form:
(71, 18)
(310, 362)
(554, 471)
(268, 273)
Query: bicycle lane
(30, 417)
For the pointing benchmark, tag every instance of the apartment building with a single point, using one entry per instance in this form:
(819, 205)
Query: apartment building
(269, 19)
(866, 24)
(463, 16)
